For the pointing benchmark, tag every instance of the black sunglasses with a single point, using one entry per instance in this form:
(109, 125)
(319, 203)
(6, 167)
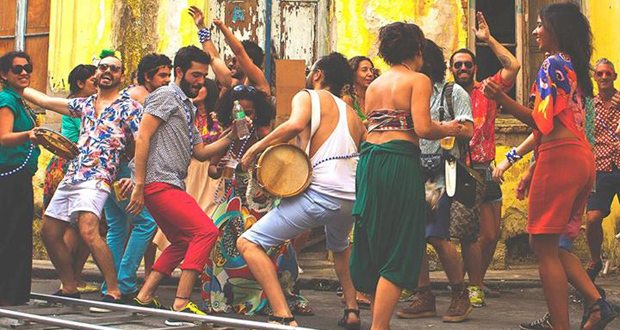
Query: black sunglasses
(17, 69)
(113, 68)
(468, 64)
(244, 88)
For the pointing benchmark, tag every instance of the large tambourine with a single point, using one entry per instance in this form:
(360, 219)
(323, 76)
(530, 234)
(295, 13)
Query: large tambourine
(283, 170)
(56, 143)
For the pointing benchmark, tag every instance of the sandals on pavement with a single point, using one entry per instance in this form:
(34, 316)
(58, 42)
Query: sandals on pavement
(282, 320)
(350, 326)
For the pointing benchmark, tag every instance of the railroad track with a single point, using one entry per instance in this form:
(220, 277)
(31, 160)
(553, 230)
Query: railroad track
(53, 312)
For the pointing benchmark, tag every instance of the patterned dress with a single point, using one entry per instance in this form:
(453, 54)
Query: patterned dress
(227, 283)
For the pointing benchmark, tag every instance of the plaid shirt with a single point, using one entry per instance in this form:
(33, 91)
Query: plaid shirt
(102, 139)
(604, 127)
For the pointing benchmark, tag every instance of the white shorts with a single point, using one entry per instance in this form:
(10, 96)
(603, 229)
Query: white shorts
(68, 200)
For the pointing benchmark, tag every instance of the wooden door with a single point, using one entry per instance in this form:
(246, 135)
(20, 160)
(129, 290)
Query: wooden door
(37, 35)
(295, 30)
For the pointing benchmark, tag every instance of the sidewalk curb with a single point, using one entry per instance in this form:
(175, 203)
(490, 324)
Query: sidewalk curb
(324, 283)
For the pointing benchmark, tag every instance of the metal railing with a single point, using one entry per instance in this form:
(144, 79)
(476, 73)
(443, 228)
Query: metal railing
(226, 321)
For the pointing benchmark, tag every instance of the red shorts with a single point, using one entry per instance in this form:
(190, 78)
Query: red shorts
(561, 183)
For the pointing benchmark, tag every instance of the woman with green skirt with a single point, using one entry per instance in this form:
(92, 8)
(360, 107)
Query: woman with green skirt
(390, 204)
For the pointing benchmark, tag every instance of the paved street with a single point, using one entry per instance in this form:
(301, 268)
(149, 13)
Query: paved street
(507, 312)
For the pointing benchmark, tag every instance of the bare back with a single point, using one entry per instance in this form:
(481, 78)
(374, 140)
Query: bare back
(329, 120)
(395, 90)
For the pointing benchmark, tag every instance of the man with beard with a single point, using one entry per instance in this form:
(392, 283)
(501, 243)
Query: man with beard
(328, 201)
(109, 118)
(168, 139)
(154, 71)
(463, 67)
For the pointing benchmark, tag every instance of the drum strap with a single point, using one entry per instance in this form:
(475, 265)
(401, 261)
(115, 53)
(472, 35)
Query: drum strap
(315, 120)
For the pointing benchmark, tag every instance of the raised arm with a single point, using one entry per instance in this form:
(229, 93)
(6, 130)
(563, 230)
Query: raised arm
(510, 64)
(222, 73)
(524, 114)
(420, 103)
(253, 72)
(56, 104)
(301, 113)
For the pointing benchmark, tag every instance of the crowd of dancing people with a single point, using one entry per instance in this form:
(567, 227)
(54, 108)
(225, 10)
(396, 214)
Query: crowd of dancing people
(153, 172)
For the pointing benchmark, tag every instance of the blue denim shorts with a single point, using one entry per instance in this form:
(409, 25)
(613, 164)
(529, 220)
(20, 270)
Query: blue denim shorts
(439, 225)
(308, 210)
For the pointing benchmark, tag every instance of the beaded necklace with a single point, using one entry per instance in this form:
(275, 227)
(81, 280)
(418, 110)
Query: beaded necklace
(230, 154)
(30, 114)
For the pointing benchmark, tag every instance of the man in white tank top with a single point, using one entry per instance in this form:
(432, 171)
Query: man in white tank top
(331, 132)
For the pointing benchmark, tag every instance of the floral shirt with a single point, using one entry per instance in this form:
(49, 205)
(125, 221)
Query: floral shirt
(606, 152)
(102, 139)
(557, 96)
(484, 110)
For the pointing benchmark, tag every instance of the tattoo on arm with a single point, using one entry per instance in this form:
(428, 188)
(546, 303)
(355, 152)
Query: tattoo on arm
(505, 61)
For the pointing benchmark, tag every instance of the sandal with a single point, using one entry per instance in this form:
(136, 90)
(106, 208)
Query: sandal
(282, 320)
(597, 316)
(350, 326)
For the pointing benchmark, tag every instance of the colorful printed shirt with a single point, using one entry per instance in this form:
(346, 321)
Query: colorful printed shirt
(607, 119)
(557, 95)
(102, 139)
(484, 111)
(208, 135)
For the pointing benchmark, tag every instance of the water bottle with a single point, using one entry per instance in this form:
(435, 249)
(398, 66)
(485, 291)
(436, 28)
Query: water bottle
(241, 123)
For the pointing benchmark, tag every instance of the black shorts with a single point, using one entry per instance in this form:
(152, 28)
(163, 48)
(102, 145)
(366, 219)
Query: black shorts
(607, 187)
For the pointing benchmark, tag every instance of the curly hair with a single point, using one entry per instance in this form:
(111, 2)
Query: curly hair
(265, 111)
(434, 62)
(336, 71)
(400, 41)
(149, 64)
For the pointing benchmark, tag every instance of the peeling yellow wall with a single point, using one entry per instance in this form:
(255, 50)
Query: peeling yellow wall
(79, 30)
(604, 16)
(356, 23)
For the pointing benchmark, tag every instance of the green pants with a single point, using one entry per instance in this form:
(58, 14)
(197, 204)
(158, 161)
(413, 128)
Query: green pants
(390, 211)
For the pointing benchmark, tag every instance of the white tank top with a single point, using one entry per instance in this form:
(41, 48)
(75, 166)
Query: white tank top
(333, 176)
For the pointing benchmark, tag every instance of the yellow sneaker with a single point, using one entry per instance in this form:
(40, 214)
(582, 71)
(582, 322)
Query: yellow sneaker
(190, 308)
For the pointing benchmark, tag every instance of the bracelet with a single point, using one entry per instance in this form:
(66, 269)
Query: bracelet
(512, 156)
(204, 35)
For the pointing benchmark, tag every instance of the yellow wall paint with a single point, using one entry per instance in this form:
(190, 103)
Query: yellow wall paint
(79, 30)
(604, 15)
(357, 24)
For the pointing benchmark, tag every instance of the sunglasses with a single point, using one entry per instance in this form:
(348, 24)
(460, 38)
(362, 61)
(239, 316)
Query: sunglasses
(244, 88)
(468, 64)
(18, 69)
(113, 68)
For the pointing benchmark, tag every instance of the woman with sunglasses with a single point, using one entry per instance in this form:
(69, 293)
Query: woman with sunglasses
(18, 163)
(355, 95)
(565, 171)
(234, 214)
(81, 84)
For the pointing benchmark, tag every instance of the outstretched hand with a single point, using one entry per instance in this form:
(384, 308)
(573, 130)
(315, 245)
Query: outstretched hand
(493, 91)
(219, 23)
(198, 16)
(482, 32)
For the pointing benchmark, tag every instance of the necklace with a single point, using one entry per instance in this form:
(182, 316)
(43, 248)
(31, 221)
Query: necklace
(224, 181)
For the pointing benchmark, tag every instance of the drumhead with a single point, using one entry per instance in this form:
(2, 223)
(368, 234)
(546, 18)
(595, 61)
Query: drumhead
(56, 143)
(284, 170)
